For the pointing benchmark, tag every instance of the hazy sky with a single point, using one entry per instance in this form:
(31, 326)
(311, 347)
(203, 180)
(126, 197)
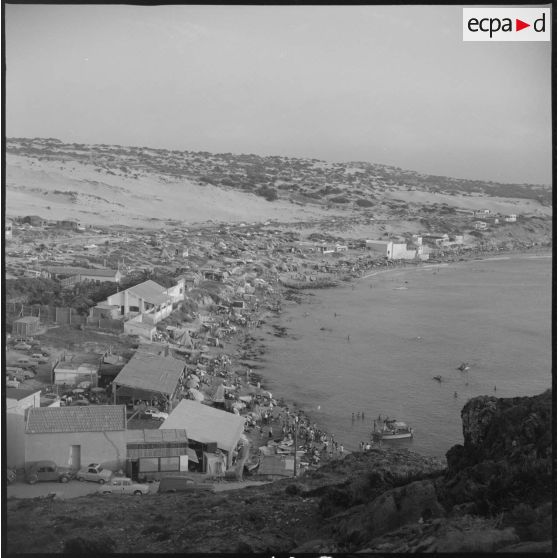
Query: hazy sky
(386, 84)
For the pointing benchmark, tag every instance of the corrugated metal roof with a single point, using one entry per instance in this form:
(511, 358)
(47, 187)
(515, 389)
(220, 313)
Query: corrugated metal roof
(206, 424)
(93, 418)
(151, 373)
(156, 436)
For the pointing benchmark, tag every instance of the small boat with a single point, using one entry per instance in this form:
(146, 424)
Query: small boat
(463, 366)
(437, 378)
(391, 429)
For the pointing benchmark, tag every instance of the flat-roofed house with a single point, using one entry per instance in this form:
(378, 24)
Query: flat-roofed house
(78, 368)
(148, 376)
(208, 428)
(69, 276)
(75, 436)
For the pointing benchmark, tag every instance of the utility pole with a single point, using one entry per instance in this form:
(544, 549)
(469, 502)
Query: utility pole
(295, 444)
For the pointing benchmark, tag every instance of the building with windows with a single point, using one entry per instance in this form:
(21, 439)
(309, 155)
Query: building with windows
(152, 453)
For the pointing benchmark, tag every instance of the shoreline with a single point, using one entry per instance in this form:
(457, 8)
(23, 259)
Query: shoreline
(280, 297)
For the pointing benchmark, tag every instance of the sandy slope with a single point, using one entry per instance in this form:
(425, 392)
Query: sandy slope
(41, 188)
(72, 190)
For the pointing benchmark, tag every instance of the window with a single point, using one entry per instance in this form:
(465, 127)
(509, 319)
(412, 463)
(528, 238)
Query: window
(149, 464)
(170, 463)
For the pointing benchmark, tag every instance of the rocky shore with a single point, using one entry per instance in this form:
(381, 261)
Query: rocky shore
(495, 495)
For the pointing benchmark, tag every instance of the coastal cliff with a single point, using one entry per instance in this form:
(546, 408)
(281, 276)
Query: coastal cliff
(495, 494)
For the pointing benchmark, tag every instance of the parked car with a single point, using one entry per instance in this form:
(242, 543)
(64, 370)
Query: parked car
(94, 473)
(24, 374)
(44, 471)
(22, 346)
(124, 485)
(39, 357)
(84, 385)
(12, 383)
(155, 414)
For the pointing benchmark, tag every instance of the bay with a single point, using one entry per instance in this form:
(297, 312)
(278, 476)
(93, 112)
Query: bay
(374, 346)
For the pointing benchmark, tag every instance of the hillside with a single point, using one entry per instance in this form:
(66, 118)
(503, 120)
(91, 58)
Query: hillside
(104, 184)
(495, 495)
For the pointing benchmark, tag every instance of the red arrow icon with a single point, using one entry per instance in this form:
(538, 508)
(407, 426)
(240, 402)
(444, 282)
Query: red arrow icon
(519, 25)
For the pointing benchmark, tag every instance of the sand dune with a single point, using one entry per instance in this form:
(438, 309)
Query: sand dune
(76, 191)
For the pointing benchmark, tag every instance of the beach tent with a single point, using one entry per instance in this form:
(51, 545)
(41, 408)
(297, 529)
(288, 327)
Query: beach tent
(196, 395)
(219, 395)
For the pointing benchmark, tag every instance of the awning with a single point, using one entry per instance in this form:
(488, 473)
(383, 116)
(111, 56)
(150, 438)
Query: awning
(192, 456)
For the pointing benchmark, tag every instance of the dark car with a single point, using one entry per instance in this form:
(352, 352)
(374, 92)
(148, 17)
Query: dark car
(47, 471)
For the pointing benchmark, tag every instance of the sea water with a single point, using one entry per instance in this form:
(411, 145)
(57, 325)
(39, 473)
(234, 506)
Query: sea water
(374, 346)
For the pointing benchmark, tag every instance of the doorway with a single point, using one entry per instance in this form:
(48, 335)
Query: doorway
(75, 457)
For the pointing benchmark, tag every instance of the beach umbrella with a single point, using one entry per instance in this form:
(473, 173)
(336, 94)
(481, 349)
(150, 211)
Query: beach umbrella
(196, 394)
(78, 390)
(98, 390)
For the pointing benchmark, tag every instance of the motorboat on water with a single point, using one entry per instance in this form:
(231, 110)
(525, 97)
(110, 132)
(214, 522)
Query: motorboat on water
(463, 367)
(391, 429)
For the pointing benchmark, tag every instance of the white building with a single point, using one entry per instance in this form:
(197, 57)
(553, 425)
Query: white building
(395, 250)
(18, 401)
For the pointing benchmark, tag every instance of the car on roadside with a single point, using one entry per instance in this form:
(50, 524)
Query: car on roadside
(47, 471)
(22, 346)
(39, 358)
(155, 414)
(94, 472)
(124, 485)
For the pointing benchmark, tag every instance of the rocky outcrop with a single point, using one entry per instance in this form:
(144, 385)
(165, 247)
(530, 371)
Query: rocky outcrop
(506, 458)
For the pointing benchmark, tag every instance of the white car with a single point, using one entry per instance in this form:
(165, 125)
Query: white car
(124, 485)
(155, 414)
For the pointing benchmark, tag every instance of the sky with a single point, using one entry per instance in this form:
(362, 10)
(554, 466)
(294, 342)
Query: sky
(386, 84)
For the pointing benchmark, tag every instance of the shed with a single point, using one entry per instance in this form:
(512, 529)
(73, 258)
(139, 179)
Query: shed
(206, 426)
(26, 326)
(78, 368)
(150, 453)
(147, 375)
